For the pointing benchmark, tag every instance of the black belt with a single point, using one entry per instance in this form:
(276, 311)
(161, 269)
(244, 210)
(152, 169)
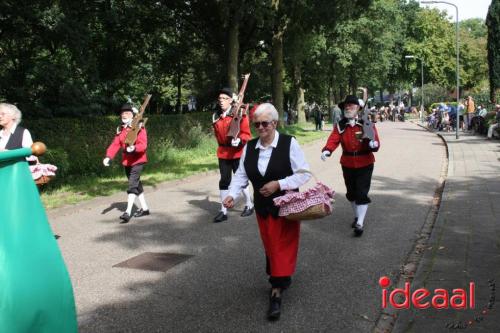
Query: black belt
(356, 153)
(226, 145)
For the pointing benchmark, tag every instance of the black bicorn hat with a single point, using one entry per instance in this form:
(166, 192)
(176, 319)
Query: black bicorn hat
(350, 99)
(127, 107)
(226, 91)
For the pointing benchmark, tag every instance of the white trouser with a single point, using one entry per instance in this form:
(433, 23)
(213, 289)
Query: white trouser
(491, 129)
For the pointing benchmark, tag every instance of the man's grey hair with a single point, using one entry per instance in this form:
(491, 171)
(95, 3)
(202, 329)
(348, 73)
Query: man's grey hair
(13, 111)
(267, 108)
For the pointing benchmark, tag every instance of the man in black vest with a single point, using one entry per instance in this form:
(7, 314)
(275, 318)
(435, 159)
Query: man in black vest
(270, 163)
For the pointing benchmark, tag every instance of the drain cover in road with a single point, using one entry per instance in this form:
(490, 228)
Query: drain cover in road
(151, 261)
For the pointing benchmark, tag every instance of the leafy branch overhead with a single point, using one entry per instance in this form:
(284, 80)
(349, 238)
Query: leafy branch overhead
(68, 58)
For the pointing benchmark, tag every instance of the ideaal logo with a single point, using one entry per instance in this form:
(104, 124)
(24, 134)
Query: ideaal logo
(440, 298)
(422, 298)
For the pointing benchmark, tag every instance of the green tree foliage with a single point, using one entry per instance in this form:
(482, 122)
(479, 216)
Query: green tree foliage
(432, 39)
(493, 23)
(67, 58)
(473, 54)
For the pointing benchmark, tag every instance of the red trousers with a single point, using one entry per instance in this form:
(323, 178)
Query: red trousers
(281, 243)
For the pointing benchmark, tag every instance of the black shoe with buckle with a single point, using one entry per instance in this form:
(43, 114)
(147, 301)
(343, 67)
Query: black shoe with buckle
(274, 308)
(358, 230)
(247, 211)
(220, 217)
(353, 225)
(125, 218)
(141, 212)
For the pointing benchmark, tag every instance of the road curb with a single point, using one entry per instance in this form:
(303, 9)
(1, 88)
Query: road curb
(388, 317)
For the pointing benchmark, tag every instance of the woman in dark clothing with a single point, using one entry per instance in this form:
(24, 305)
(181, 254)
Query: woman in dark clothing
(12, 136)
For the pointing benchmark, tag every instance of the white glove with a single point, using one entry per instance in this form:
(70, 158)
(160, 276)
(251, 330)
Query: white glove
(106, 161)
(325, 154)
(235, 142)
(130, 149)
(373, 144)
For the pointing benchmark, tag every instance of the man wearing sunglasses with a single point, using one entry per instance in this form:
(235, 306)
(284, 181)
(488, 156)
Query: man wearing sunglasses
(357, 159)
(229, 150)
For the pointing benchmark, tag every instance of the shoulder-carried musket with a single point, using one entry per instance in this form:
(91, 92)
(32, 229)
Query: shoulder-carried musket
(137, 123)
(238, 109)
(368, 131)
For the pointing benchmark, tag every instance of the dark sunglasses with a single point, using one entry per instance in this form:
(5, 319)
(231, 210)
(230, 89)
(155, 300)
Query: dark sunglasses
(264, 124)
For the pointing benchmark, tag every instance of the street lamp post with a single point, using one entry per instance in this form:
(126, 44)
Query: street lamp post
(422, 89)
(457, 121)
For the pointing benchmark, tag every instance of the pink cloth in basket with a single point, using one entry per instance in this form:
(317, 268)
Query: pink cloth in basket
(295, 202)
(39, 170)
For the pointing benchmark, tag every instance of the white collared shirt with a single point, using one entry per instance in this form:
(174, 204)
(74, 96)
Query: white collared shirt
(297, 161)
(4, 137)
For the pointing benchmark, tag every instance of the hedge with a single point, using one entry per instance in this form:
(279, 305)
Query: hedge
(77, 146)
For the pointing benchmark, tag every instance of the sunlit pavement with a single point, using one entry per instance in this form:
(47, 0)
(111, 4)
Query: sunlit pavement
(465, 244)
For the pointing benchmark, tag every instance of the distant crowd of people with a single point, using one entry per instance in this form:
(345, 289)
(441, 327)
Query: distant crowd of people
(471, 118)
(389, 112)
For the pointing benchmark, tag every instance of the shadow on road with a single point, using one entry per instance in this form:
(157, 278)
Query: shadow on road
(224, 288)
(119, 206)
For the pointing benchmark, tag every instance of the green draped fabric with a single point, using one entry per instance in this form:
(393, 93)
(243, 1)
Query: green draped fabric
(35, 288)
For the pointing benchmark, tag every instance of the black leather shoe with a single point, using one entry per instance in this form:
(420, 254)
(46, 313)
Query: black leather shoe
(353, 225)
(358, 230)
(274, 308)
(247, 211)
(125, 217)
(141, 212)
(220, 217)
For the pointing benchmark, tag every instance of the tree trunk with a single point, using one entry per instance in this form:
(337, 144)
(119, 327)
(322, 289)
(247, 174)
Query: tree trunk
(179, 89)
(233, 50)
(330, 95)
(342, 93)
(299, 94)
(277, 73)
(493, 94)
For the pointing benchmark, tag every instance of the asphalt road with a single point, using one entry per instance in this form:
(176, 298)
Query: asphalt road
(223, 287)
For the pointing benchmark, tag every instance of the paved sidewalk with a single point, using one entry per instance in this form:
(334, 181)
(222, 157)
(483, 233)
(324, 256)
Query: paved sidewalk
(465, 242)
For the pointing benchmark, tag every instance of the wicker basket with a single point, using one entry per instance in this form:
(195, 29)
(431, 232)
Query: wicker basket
(43, 180)
(312, 204)
(311, 213)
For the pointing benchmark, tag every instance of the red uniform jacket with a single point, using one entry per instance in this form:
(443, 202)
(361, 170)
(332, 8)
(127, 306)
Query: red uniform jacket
(135, 157)
(225, 151)
(350, 144)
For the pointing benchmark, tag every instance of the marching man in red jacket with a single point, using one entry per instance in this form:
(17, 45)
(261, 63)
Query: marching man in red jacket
(357, 159)
(229, 150)
(133, 159)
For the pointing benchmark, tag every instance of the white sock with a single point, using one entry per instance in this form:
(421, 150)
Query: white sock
(361, 210)
(223, 195)
(130, 203)
(248, 198)
(353, 204)
(142, 201)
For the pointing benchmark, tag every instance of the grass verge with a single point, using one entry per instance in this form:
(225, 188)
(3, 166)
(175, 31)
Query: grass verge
(179, 163)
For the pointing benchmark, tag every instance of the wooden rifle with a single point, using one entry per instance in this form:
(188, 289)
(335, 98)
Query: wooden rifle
(238, 109)
(368, 131)
(137, 123)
